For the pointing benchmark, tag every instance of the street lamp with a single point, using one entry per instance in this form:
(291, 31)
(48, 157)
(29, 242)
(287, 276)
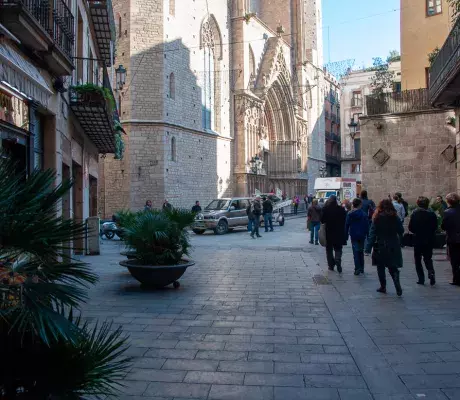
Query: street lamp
(353, 125)
(322, 171)
(121, 76)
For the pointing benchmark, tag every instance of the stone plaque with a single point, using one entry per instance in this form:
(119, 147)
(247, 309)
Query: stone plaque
(381, 157)
(449, 153)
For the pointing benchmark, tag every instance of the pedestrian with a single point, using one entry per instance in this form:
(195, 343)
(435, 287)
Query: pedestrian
(310, 198)
(404, 203)
(384, 242)
(314, 219)
(284, 196)
(440, 200)
(367, 205)
(424, 224)
(296, 204)
(196, 208)
(166, 206)
(346, 204)
(399, 208)
(254, 212)
(357, 227)
(451, 225)
(148, 205)
(333, 215)
(267, 210)
(305, 200)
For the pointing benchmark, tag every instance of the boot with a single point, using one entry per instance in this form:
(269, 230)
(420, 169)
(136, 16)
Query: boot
(382, 289)
(395, 276)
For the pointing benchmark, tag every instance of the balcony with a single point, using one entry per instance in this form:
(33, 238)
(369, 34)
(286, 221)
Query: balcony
(333, 159)
(351, 156)
(335, 137)
(445, 71)
(101, 12)
(327, 114)
(92, 102)
(46, 27)
(398, 102)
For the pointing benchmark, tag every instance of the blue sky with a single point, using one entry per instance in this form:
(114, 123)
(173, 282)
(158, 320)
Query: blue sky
(360, 30)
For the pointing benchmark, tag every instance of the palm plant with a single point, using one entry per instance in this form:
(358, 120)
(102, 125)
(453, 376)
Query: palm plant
(159, 237)
(46, 351)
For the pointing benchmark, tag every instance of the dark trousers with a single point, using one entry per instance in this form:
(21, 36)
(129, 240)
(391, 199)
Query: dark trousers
(268, 220)
(296, 207)
(334, 259)
(394, 272)
(454, 254)
(358, 254)
(255, 225)
(425, 251)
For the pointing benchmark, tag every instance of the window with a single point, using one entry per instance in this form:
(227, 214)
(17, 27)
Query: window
(172, 7)
(357, 99)
(119, 104)
(358, 148)
(355, 168)
(38, 141)
(427, 77)
(397, 87)
(119, 27)
(173, 149)
(172, 86)
(433, 7)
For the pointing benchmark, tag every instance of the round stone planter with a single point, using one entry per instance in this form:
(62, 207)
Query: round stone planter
(157, 276)
(130, 255)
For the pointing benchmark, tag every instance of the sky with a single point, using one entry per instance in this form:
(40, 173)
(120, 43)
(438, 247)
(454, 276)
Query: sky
(360, 30)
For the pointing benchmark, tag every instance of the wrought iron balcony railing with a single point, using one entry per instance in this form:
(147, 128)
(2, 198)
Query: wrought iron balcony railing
(446, 69)
(350, 155)
(398, 102)
(53, 16)
(92, 102)
(104, 27)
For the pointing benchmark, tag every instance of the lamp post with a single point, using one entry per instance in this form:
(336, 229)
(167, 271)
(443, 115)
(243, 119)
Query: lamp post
(354, 124)
(121, 76)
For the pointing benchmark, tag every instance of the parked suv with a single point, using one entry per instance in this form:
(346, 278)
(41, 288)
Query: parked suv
(222, 215)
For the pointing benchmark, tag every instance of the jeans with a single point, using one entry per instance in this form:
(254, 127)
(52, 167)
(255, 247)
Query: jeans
(268, 221)
(394, 272)
(425, 251)
(454, 254)
(358, 254)
(314, 229)
(334, 260)
(255, 226)
(250, 223)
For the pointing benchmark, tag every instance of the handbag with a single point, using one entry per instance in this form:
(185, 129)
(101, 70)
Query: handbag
(322, 235)
(309, 224)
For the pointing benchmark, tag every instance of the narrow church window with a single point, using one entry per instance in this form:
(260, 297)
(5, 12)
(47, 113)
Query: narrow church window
(172, 86)
(172, 7)
(252, 64)
(173, 149)
(119, 26)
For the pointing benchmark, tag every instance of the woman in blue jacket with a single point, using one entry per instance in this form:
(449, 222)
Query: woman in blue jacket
(357, 227)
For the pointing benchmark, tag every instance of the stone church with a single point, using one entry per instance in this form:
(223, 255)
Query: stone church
(222, 97)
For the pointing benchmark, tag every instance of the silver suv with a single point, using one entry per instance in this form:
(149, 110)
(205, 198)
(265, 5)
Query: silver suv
(222, 215)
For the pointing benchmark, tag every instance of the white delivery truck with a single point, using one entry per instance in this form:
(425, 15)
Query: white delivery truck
(343, 188)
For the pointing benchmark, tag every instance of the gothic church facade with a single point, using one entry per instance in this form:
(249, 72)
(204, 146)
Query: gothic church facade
(222, 97)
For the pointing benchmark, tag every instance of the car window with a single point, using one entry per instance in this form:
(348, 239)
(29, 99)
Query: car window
(221, 204)
(244, 204)
(234, 204)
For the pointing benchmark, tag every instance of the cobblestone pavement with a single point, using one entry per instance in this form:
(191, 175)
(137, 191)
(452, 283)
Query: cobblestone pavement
(264, 319)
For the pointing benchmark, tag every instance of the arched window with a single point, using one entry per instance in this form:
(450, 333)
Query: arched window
(172, 7)
(211, 45)
(173, 149)
(119, 25)
(252, 66)
(172, 86)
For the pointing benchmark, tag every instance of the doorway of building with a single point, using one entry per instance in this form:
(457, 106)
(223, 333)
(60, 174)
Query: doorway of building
(77, 203)
(92, 196)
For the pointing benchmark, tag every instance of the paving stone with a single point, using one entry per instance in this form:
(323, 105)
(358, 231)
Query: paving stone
(153, 375)
(217, 378)
(355, 394)
(263, 347)
(335, 381)
(191, 365)
(222, 355)
(294, 393)
(344, 369)
(441, 368)
(149, 363)
(274, 339)
(449, 356)
(237, 392)
(452, 394)
(133, 387)
(171, 353)
(186, 390)
(273, 380)
(189, 345)
(336, 349)
(302, 368)
(298, 348)
(248, 331)
(228, 338)
(431, 381)
(246, 366)
(282, 357)
(327, 358)
(429, 347)
(429, 394)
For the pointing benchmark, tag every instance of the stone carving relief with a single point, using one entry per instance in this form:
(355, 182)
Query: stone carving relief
(381, 157)
(449, 154)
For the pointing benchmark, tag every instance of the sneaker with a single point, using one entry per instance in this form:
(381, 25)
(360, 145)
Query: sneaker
(420, 283)
(311, 242)
(382, 290)
(259, 236)
(272, 230)
(339, 269)
(253, 236)
(331, 268)
(432, 280)
(399, 292)
(357, 273)
(316, 243)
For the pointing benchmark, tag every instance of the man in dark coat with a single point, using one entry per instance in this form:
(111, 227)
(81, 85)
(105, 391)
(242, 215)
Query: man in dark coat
(334, 217)
(196, 208)
(357, 227)
(424, 224)
(254, 212)
(451, 225)
(267, 209)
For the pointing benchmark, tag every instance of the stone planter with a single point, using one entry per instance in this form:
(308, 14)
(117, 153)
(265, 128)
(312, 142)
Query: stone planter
(157, 276)
(130, 255)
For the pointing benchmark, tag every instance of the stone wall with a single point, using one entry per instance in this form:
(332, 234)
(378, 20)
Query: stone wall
(413, 143)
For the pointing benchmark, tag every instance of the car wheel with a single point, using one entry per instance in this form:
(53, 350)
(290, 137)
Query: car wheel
(222, 228)
(199, 231)
(109, 235)
(282, 222)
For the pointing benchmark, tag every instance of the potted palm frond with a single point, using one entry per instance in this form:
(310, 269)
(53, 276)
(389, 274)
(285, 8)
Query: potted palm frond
(159, 241)
(47, 351)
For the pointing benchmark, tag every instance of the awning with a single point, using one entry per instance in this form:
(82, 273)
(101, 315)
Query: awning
(19, 73)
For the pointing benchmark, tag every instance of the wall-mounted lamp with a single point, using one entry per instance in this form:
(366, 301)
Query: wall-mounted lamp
(121, 76)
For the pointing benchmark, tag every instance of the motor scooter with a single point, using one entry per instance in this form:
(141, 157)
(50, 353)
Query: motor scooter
(110, 229)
